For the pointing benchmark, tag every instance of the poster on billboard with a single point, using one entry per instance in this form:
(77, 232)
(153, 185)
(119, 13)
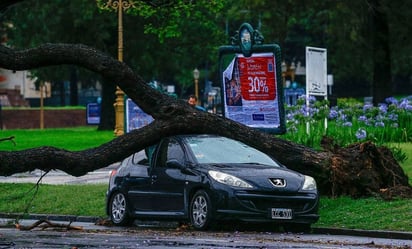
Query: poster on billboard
(93, 113)
(316, 71)
(135, 117)
(250, 91)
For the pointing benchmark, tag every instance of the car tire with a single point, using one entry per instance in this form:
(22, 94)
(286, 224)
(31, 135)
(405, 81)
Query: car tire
(200, 210)
(118, 207)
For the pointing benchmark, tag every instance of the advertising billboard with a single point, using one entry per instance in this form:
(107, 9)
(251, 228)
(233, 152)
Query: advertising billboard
(251, 82)
(93, 113)
(250, 91)
(135, 116)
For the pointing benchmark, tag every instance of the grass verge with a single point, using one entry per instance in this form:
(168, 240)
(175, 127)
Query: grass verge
(73, 139)
(406, 165)
(367, 214)
(79, 200)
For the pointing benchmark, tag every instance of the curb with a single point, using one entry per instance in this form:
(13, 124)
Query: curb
(364, 233)
(315, 230)
(54, 217)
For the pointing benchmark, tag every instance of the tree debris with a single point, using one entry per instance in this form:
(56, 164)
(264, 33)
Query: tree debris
(45, 224)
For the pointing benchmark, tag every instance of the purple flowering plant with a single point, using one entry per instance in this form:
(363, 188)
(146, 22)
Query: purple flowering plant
(349, 121)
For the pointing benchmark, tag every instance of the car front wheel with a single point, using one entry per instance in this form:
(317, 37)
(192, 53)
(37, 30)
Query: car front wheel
(118, 210)
(200, 210)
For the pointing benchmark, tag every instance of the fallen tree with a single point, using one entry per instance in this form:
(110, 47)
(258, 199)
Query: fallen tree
(358, 170)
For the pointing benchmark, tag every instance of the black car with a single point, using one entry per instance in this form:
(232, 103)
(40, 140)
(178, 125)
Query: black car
(207, 178)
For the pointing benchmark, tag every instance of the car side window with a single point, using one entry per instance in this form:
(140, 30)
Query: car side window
(170, 150)
(140, 158)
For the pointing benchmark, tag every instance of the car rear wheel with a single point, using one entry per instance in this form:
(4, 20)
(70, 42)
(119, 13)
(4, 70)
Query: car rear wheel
(200, 210)
(118, 210)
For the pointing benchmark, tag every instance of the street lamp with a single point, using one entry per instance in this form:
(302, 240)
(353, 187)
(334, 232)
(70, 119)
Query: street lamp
(284, 69)
(288, 71)
(292, 71)
(196, 75)
(119, 6)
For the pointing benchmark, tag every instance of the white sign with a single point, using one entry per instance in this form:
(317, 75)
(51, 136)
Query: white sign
(316, 71)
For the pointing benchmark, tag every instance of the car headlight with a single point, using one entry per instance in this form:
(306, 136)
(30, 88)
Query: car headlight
(230, 180)
(309, 184)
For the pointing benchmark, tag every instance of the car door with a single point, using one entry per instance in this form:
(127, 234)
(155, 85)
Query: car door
(137, 181)
(167, 181)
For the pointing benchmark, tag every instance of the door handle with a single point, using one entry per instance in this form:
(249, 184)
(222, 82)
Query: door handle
(153, 178)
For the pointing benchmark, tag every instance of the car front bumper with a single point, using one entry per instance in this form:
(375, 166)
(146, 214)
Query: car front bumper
(258, 206)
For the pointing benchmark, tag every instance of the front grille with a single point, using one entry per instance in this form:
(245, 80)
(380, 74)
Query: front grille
(263, 202)
(266, 204)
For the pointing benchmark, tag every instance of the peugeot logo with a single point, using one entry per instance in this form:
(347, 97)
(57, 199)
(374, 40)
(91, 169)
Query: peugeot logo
(278, 182)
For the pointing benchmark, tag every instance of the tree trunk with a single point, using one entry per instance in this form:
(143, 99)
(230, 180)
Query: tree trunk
(358, 170)
(381, 53)
(74, 91)
(107, 108)
(62, 92)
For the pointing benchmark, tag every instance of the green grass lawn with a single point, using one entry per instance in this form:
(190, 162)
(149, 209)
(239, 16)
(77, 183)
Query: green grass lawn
(407, 164)
(368, 214)
(71, 138)
(81, 200)
(89, 200)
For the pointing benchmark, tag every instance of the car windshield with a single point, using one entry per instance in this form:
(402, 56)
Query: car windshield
(221, 150)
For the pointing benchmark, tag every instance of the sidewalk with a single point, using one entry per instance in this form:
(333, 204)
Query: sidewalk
(86, 222)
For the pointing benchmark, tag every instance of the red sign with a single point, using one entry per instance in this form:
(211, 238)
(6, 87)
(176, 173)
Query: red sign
(257, 77)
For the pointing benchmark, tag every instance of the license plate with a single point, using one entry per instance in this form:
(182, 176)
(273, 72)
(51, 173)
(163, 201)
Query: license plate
(282, 213)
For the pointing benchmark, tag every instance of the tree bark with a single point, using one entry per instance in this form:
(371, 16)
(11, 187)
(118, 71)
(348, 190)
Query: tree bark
(358, 170)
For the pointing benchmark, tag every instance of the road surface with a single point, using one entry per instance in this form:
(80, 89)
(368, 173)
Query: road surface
(156, 237)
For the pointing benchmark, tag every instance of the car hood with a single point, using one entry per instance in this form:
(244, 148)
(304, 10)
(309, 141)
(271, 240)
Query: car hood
(264, 177)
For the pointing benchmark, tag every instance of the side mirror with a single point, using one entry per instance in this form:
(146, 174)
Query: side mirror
(174, 164)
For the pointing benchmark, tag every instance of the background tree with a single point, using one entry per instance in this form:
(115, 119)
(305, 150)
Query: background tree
(176, 41)
(381, 52)
(33, 24)
(180, 40)
(347, 29)
(165, 51)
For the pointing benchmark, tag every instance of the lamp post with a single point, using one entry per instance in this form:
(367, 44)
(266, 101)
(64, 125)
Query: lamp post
(196, 75)
(119, 6)
(288, 71)
(292, 71)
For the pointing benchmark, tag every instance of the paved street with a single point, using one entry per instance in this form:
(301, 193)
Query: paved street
(156, 237)
(59, 177)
